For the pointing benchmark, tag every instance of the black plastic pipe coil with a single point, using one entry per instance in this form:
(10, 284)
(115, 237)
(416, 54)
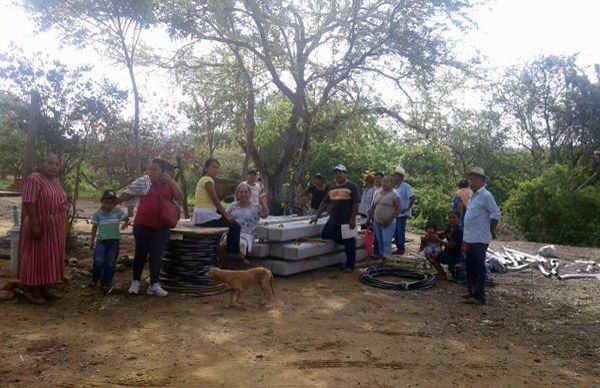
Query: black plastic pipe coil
(370, 275)
(184, 263)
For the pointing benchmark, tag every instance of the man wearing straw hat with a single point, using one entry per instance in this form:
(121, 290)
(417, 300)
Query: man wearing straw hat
(481, 218)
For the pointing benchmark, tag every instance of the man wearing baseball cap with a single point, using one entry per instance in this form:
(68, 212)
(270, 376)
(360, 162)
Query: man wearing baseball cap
(481, 218)
(407, 200)
(344, 199)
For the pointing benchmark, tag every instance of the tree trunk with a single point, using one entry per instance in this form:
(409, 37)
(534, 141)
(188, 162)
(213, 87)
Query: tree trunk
(32, 132)
(186, 210)
(136, 119)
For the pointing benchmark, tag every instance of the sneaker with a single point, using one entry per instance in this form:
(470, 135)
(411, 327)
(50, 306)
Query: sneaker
(134, 289)
(156, 289)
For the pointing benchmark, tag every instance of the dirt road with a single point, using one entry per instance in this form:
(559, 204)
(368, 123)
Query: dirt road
(323, 329)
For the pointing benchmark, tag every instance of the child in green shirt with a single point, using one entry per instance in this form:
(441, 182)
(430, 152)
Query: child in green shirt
(105, 232)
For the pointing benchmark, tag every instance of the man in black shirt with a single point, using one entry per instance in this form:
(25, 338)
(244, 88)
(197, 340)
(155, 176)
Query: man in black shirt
(344, 199)
(317, 191)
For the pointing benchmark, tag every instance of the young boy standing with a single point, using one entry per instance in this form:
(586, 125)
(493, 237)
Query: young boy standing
(106, 226)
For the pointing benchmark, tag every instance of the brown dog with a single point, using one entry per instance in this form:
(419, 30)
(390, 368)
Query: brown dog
(238, 281)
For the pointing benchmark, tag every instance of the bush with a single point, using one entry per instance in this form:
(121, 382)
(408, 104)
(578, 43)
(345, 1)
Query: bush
(555, 208)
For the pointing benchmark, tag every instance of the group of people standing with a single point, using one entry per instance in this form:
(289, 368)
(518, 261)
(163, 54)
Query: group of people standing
(44, 236)
(386, 203)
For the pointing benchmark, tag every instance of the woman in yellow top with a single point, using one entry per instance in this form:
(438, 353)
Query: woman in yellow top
(208, 211)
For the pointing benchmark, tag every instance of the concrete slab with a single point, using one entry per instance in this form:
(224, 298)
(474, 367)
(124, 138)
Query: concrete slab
(295, 230)
(260, 250)
(305, 249)
(262, 230)
(287, 267)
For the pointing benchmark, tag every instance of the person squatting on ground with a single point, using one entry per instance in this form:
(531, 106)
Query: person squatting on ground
(44, 231)
(150, 232)
(317, 191)
(481, 220)
(344, 199)
(382, 215)
(407, 199)
(430, 242)
(452, 241)
(210, 213)
(105, 239)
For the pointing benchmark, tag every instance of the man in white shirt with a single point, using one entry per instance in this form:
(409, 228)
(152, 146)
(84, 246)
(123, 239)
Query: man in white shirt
(481, 218)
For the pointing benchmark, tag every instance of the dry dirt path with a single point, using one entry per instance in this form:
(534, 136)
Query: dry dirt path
(324, 329)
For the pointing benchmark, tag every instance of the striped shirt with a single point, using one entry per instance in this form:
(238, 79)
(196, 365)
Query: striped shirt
(42, 260)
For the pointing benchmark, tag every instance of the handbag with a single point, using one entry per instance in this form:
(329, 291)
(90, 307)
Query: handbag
(169, 212)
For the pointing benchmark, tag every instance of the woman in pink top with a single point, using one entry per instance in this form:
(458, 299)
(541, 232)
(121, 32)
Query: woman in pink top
(150, 233)
(44, 233)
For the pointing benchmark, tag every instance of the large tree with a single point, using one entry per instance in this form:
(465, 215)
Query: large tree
(314, 51)
(113, 27)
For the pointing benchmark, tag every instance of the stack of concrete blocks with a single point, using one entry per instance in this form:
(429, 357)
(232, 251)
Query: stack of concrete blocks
(291, 245)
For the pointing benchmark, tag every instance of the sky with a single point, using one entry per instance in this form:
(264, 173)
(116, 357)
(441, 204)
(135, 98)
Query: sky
(510, 32)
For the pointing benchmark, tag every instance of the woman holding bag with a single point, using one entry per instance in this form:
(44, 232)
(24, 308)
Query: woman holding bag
(153, 220)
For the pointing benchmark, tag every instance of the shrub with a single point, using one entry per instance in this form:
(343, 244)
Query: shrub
(556, 207)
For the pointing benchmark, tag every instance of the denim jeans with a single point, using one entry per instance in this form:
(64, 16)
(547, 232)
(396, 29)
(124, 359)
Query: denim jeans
(399, 234)
(384, 237)
(149, 243)
(105, 261)
(334, 232)
(476, 253)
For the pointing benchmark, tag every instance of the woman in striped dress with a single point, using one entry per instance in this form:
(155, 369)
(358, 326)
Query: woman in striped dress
(44, 233)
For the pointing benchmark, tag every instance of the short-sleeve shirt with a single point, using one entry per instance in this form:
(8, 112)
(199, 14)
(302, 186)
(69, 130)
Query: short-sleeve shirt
(316, 196)
(384, 205)
(405, 192)
(201, 198)
(108, 224)
(342, 199)
(366, 201)
(248, 217)
(456, 236)
(148, 213)
(481, 210)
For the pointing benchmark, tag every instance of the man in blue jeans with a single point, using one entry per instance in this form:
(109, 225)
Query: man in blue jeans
(407, 200)
(481, 220)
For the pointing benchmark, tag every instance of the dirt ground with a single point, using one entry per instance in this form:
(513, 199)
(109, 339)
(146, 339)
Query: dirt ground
(323, 329)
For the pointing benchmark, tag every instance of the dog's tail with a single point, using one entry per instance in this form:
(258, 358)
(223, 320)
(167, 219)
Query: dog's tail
(271, 282)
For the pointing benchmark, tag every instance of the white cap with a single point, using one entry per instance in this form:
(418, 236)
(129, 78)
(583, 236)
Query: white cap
(399, 170)
(340, 167)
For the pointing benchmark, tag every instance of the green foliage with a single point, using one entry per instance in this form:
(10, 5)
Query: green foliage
(429, 171)
(13, 125)
(556, 207)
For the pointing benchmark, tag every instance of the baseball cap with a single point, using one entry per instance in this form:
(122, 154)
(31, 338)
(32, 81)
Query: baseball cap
(340, 167)
(108, 194)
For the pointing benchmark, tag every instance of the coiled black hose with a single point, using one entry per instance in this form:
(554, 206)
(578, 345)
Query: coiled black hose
(185, 262)
(370, 275)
